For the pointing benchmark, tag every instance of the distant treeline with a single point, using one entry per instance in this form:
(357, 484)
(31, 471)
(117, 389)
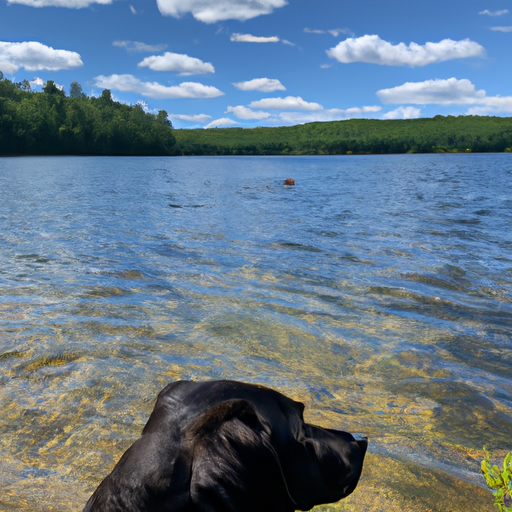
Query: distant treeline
(51, 123)
(355, 136)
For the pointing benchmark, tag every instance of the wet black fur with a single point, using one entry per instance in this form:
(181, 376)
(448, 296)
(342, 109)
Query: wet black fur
(226, 446)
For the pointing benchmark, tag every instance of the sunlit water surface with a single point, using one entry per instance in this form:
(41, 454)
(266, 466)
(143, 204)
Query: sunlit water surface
(378, 291)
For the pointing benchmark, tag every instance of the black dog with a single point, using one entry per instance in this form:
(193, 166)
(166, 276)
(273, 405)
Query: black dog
(226, 446)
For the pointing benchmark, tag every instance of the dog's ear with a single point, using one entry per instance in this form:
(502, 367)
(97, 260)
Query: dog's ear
(233, 468)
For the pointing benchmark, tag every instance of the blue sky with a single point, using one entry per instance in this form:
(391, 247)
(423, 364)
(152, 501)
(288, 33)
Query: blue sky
(269, 62)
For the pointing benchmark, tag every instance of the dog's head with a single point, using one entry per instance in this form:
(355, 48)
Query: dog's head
(254, 462)
(228, 446)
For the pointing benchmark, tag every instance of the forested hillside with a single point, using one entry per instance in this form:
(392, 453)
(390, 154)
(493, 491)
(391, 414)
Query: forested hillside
(438, 134)
(51, 123)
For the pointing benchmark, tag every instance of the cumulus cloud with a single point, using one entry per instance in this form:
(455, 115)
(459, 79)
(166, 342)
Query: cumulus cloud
(439, 92)
(494, 105)
(494, 13)
(297, 111)
(403, 113)
(261, 84)
(144, 106)
(177, 63)
(137, 46)
(129, 83)
(34, 56)
(246, 113)
(7, 66)
(36, 82)
(372, 49)
(288, 103)
(71, 4)
(192, 118)
(502, 29)
(332, 114)
(447, 92)
(211, 11)
(248, 38)
(223, 121)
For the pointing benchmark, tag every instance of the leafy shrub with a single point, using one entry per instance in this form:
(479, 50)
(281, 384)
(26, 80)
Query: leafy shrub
(499, 480)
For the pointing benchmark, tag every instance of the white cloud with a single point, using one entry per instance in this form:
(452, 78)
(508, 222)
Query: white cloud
(134, 11)
(192, 118)
(71, 4)
(494, 13)
(261, 84)
(210, 11)
(128, 83)
(302, 111)
(372, 49)
(439, 92)
(447, 92)
(34, 56)
(223, 121)
(335, 32)
(288, 103)
(137, 46)
(36, 82)
(333, 114)
(143, 105)
(502, 29)
(492, 105)
(7, 66)
(177, 63)
(246, 113)
(403, 113)
(248, 38)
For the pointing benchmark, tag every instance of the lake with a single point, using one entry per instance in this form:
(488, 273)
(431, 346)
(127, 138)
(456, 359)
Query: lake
(377, 290)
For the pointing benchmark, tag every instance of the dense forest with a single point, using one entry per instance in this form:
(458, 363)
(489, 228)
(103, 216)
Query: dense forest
(51, 123)
(355, 136)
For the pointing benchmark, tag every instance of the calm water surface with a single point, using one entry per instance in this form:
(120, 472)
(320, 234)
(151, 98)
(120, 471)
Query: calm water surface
(378, 291)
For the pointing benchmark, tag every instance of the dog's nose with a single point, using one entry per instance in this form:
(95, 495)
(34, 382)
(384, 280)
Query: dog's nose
(362, 441)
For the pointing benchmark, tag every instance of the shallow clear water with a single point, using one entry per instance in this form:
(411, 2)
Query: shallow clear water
(378, 291)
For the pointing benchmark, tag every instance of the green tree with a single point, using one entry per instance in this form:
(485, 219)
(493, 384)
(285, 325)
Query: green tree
(106, 97)
(75, 90)
(52, 89)
(163, 118)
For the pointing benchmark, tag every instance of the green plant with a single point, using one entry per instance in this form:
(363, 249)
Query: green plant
(499, 480)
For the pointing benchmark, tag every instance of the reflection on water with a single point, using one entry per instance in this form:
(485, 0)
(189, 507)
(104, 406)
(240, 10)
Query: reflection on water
(378, 290)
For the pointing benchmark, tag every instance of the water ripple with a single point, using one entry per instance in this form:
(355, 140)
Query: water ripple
(378, 290)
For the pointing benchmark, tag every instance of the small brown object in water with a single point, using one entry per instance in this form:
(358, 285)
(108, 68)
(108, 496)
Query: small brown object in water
(289, 182)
